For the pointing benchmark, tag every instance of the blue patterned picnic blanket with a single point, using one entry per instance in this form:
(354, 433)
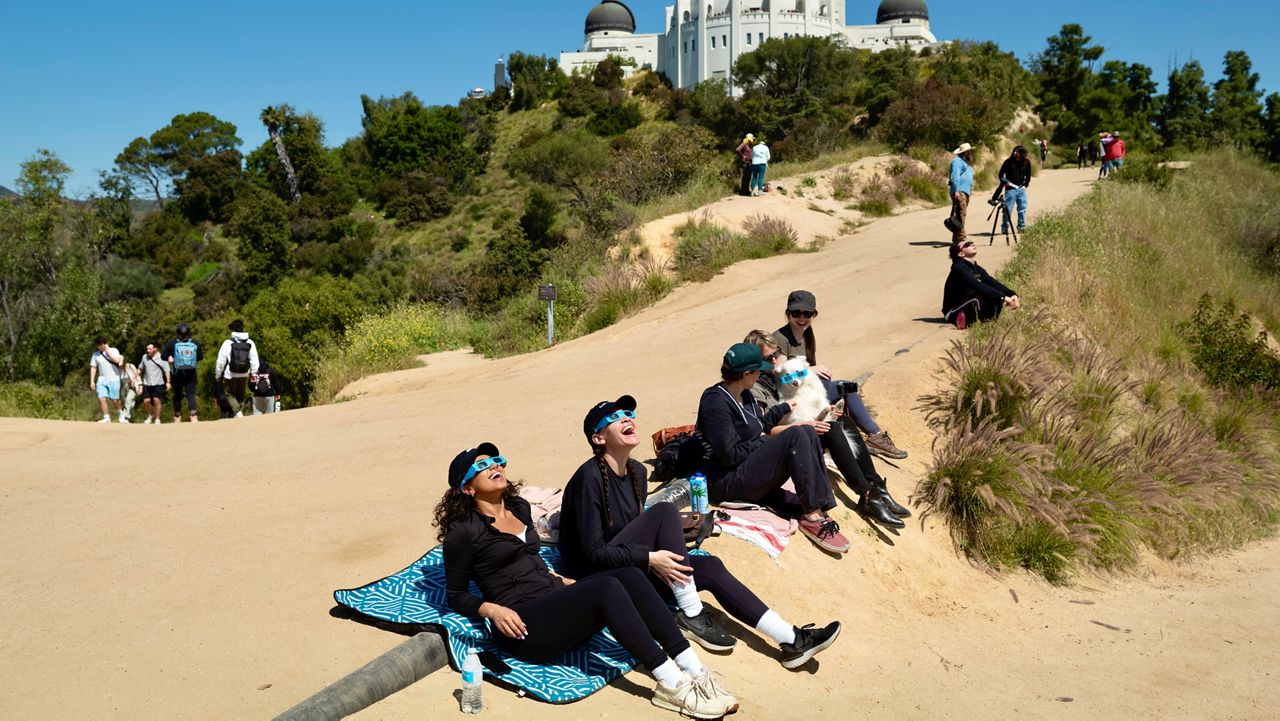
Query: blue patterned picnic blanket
(416, 595)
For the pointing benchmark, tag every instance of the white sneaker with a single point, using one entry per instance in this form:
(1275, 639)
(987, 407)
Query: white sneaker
(239, 414)
(147, 422)
(123, 419)
(105, 419)
(694, 699)
(710, 684)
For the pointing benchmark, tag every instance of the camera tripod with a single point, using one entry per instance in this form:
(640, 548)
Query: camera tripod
(1000, 212)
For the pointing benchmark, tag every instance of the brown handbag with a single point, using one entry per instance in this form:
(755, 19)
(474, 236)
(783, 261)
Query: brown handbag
(667, 435)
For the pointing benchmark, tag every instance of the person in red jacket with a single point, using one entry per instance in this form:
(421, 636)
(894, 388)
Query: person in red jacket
(744, 162)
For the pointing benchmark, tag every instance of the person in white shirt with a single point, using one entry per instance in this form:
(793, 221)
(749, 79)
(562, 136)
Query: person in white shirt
(237, 366)
(155, 382)
(106, 366)
(760, 157)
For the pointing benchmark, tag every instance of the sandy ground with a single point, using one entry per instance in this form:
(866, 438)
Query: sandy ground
(185, 572)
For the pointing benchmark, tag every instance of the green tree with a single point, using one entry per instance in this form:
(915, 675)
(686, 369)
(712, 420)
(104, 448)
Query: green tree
(889, 75)
(799, 70)
(1271, 128)
(113, 205)
(403, 135)
(535, 79)
(940, 114)
(260, 220)
(170, 151)
(1184, 110)
(1236, 109)
(274, 118)
(995, 74)
(566, 160)
(210, 187)
(1065, 71)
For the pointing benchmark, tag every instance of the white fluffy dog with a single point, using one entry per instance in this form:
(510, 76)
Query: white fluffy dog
(797, 382)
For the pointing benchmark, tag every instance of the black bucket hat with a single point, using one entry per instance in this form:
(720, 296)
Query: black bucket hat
(802, 300)
(462, 462)
(602, 409)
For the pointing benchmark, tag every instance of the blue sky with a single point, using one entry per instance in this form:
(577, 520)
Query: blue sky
(84, 78)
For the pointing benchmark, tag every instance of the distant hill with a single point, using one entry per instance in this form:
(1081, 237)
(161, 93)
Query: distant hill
(6, 193)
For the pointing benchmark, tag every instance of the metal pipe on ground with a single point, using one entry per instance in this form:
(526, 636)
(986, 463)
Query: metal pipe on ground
(394, 670)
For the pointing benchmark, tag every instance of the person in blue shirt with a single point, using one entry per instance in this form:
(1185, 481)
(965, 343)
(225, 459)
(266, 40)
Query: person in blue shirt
(961, 187)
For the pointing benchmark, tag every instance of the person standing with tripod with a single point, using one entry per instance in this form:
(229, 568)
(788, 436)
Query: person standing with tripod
(1015, 177)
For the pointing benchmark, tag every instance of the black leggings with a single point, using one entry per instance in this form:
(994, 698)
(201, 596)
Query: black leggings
(660, 529)
(621, 599)
(851, 456)
(184, 385)
(795, 454)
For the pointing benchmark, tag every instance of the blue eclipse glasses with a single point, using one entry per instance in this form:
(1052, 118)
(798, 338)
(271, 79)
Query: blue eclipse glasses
(613, 418)
(480, 466)
(793, 377)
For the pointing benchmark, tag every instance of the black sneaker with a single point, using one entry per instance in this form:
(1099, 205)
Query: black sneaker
(809, 642)
(704, 631)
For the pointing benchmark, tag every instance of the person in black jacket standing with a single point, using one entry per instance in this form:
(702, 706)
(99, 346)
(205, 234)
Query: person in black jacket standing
(971, 293)
(537, 615)
(1015, 178)
(604, 525)
(745, 464)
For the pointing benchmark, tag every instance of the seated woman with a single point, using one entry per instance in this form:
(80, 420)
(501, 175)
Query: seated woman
(489, 538)
(796, 340)
(843, 441)
(604, 526)
(971, 294)
(746, 464)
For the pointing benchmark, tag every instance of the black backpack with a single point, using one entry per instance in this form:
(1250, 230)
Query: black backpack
(240, 356)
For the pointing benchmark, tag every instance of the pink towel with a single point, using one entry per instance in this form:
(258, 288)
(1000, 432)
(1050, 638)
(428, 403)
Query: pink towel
(763, 528)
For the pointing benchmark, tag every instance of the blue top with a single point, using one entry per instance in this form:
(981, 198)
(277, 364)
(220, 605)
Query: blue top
(961, 176)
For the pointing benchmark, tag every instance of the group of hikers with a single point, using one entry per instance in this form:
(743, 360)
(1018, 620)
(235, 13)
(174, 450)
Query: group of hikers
(753, 161)
(624, 564)
(238, 372)
(1109, 148)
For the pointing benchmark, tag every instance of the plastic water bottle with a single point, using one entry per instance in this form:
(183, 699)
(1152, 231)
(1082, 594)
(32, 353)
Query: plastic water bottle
(698, 500)
(677, 492)
(472, 683)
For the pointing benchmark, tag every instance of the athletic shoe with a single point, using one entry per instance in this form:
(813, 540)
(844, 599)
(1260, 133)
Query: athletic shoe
(809, 642)
(692, 699)
(880, 444)
(123, 419)
(105, 419)
(710, 683)
(147, 422)
(704, 631)
(826, 533)
(239, 414)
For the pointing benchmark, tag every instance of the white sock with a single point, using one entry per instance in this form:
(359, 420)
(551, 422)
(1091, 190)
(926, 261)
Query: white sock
(773, 626)
(669, 674)
(687, 598)
(689, 662)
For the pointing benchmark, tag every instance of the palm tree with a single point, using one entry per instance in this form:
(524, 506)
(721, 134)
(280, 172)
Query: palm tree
(274, 118)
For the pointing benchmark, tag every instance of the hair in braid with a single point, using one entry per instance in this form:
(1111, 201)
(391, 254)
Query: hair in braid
(810, 346)
(598, 450)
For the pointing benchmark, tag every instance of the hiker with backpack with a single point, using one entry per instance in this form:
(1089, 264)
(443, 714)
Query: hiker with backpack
(236, 366)
(155, 382)
(266, 390)
(184, 355)
(106, 367)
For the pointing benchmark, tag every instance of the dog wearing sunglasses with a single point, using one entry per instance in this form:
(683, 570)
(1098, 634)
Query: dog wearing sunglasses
(797, 382)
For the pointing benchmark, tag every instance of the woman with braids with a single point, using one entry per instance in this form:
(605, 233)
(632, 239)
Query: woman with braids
(796, 340)
(604, 526)
(842, 441)
(537, 614)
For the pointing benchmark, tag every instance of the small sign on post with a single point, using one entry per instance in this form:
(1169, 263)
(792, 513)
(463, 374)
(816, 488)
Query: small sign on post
(548, 293)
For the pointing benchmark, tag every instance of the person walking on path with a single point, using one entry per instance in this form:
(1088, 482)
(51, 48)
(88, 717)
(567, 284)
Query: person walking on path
(1015, 176)
(536, 614)
(961, 188)
(236, 366)
(760, 157)
(106, 368)
(1082, 155)
(1043, 145)
(744, 162)
(155, 382)
(266, 390)
(971, 293)
(604, 525)
(184, 355)
(130, 389)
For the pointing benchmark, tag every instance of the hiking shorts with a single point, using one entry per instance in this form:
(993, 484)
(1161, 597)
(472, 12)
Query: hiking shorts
(153, 393)
(109, 389)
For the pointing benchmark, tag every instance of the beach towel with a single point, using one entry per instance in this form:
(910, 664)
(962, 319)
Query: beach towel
(761, 527)
(416, 595)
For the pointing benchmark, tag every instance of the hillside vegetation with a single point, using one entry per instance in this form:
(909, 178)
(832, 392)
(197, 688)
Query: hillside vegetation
(1139, 408)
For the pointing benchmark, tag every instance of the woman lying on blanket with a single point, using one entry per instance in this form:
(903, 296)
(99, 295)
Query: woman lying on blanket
(746, 464)
(842, 441)
(489, 538)
(796, 339)
(604, 526)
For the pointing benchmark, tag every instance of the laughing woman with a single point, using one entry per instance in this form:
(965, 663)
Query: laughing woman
(538, 615)
(604, 526)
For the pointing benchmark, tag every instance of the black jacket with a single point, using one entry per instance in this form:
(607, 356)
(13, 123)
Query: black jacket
(1018, 173)
(732, 432)
(967, 280)
(508, 570)
(585, 531)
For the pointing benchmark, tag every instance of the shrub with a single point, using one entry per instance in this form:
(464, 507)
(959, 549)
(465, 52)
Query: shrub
(28, 399)
(936, 113)
(1226, 348)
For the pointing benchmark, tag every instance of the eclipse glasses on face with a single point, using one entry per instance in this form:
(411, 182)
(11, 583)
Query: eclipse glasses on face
(613, 418)
(803, 313)
(793, 377)
(479, 466)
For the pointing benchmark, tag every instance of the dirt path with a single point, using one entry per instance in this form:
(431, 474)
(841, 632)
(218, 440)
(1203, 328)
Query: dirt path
(186, 572)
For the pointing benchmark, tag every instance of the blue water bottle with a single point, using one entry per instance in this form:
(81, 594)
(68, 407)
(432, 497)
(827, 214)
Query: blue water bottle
(698, 500)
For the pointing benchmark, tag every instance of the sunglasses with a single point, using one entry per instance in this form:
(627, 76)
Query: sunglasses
(479, 466)
(969, 244)
(803, 313)
(793, 377)
(773, 356)
(614, 418)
